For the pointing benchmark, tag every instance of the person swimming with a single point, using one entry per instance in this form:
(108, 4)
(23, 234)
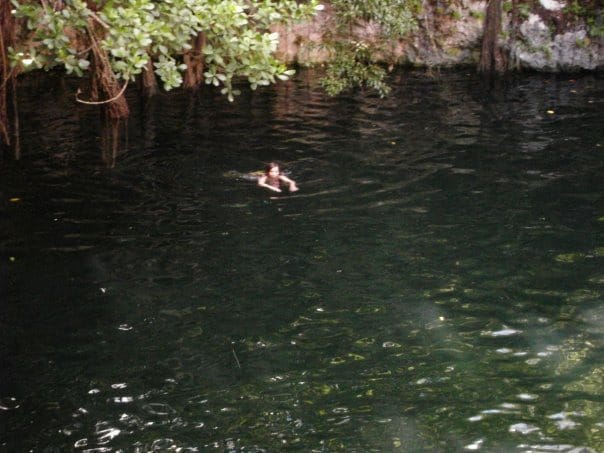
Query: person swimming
(272, 179)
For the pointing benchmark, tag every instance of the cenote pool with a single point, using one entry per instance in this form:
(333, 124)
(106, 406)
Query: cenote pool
(436, 284)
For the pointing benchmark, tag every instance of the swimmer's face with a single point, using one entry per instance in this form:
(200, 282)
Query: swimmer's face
(274, 172)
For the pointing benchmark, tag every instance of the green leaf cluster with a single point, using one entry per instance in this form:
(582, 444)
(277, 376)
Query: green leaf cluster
(591, 12)
(395, 17)
(352, 67)
(353, 63)
(133, 33)
(50, 44)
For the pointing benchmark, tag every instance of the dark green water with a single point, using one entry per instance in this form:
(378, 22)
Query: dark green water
(436, 284)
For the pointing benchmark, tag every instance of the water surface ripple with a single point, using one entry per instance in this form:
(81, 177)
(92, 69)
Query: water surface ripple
(435, 285)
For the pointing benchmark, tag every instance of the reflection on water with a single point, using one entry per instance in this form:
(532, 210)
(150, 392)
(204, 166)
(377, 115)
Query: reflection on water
(436, 284)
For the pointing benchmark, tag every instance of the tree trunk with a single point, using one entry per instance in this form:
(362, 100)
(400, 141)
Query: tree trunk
(194, 60)
(492, 57)
(104, 83)
(107, 86)
(149, 80)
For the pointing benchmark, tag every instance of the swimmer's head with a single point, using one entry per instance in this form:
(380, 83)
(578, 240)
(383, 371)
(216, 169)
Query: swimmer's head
(272, 169)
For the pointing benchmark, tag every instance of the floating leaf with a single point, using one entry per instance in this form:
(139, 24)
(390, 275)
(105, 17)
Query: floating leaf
(568, 257)
(365, 341)
(325, 389)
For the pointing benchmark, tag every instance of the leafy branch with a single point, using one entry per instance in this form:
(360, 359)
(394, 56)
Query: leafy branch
(238, 41)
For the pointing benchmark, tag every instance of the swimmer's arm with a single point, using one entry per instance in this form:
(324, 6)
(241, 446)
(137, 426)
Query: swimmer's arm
(262, 183)
(292, 184)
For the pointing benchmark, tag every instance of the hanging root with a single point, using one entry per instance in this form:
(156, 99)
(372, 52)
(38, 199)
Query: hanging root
(82, 101)
(7, 32)
(104, 81)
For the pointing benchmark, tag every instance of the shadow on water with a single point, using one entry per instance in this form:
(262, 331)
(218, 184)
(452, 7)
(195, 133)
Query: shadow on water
(436, 284)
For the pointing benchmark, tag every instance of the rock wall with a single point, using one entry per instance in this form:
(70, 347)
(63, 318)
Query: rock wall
(544, 36)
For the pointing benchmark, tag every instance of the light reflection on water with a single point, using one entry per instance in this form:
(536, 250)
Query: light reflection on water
(436, 284)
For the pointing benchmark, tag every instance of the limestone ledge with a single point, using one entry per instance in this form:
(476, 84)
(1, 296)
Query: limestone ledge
(544, 40)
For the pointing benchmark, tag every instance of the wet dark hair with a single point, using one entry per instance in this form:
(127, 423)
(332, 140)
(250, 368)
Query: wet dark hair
(270, 166)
